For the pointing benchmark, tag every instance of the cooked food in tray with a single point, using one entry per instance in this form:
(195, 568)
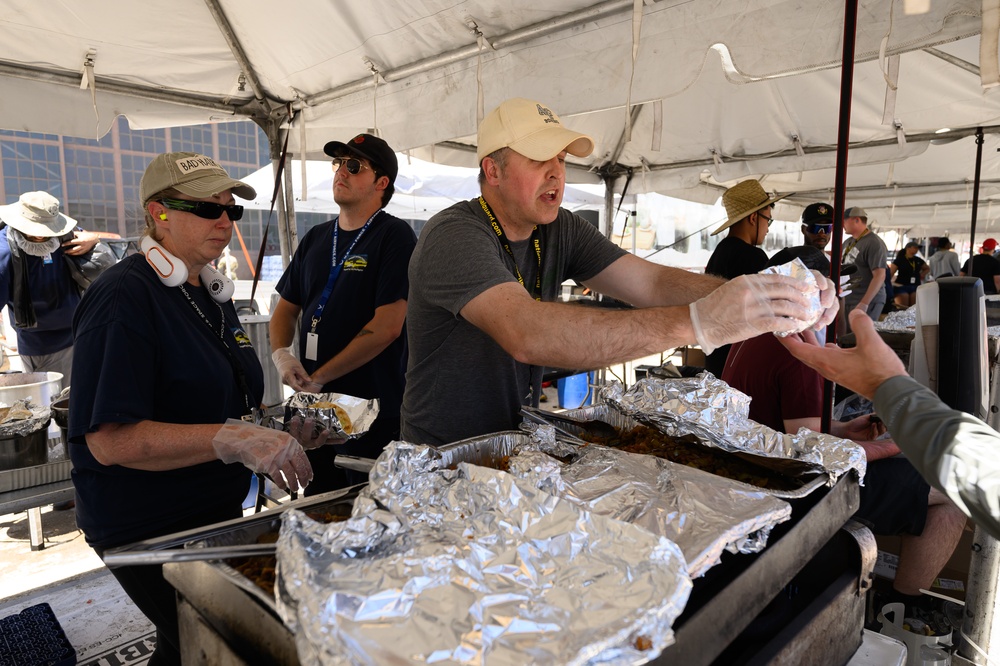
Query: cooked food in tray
(687, 451)
(262, 570)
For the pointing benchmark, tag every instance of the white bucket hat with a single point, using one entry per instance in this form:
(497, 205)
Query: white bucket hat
(37, 214)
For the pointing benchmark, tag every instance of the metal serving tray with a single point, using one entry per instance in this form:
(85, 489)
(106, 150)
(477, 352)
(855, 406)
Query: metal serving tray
(615, 417)
(36, 475)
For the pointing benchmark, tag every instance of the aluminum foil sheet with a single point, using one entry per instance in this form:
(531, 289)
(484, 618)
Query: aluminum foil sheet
(474, 566)
(798, 270)
(719, 415)
(900, 321)
(345, 415)
(702, 513)
(23, 417)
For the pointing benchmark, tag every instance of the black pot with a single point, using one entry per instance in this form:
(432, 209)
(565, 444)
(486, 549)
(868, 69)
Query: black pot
(25, 450)
(60, 413)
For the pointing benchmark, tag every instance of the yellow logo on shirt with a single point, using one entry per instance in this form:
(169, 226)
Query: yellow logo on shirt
(356, 262)
(242, 339)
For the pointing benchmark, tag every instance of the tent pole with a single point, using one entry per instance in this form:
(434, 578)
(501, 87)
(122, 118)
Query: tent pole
(273, 131)
(607, 225)
(975, 193)
(840, 182)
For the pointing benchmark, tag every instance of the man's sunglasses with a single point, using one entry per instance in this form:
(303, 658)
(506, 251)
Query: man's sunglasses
(353, 166)
(820, 229)
(204, 209)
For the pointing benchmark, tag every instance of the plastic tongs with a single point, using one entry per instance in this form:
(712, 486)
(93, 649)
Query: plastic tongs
(560, 422)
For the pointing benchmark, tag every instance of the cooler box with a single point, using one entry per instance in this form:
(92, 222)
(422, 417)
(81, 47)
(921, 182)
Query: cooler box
(574, 391)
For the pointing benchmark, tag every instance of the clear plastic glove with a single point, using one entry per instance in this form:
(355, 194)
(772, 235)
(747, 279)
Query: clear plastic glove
(292, 372)
(309, 434)
(272, 452)
(747, 306)
(828, 300)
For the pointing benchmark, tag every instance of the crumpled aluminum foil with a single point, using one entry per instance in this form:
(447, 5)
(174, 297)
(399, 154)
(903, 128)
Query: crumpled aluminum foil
(360, 412)
(798, 270)
(470, 566)
(702, 513)
(719, 415)
(23, 417)
(900, 321)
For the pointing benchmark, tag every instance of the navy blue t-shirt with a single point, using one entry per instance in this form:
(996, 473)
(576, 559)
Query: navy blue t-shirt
(54, 296)
(374, 274)
(143, 353)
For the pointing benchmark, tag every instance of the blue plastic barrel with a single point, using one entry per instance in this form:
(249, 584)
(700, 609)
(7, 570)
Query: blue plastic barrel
(574, 391)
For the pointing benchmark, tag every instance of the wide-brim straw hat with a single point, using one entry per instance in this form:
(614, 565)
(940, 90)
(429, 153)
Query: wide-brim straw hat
(745, 198)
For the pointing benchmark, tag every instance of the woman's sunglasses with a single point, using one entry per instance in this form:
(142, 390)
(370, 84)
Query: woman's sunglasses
(820, 229)
(204, 209)
(353, 166)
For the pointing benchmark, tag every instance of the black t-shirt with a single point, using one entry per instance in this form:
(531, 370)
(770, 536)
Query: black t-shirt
(373, 274)
(141, 352)
(984, 267)
(732, 258)
(908, 270)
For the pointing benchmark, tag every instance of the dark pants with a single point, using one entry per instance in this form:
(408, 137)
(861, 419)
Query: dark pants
(155, 597)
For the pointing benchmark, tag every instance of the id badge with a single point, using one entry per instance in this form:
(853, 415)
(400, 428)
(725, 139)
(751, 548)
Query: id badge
(47, 259)
(913, 280)
(312, 345)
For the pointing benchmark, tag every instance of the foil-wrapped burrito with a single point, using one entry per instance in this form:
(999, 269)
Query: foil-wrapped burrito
(473, 566)
(719, 415)
(344, 416)
(796, 269)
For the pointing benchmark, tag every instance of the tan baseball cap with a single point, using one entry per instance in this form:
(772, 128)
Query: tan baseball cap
(530, 129)
(191, 174)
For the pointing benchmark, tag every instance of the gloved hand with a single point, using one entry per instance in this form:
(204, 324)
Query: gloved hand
(309, 434)
(747, 306)
(828, 299)
(272, 452)
(292, 372)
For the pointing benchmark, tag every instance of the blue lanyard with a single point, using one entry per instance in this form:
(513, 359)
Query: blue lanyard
(335, 267)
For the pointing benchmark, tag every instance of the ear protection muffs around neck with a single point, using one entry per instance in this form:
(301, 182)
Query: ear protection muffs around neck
(173, 272)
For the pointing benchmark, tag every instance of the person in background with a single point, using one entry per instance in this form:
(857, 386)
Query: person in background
(787, 395)
(749, 210)
(954, 451)
(481, 320)
(985, 266)
(817, 228)
(163, 375)
(866, 251)
(944, 262)
(907, 271)
(348, 283)
(37, 281)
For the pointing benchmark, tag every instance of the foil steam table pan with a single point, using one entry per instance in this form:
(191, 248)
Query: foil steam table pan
(718, 415)
(702, 513)
(471, 566)
(806, 479)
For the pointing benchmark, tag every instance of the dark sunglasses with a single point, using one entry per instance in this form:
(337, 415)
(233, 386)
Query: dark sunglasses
(820, 228)
(204, 209)
(353, 166)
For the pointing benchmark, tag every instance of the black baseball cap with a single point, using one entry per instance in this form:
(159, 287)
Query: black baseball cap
(817, 213)
(370, 147)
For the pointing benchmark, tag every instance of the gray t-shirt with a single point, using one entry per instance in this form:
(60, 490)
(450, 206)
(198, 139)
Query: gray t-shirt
(944, 263)
(868, 253)
(459, 382)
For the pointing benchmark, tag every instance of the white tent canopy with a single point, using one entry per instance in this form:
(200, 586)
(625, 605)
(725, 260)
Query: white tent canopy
(421, 190)
(718, 90)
